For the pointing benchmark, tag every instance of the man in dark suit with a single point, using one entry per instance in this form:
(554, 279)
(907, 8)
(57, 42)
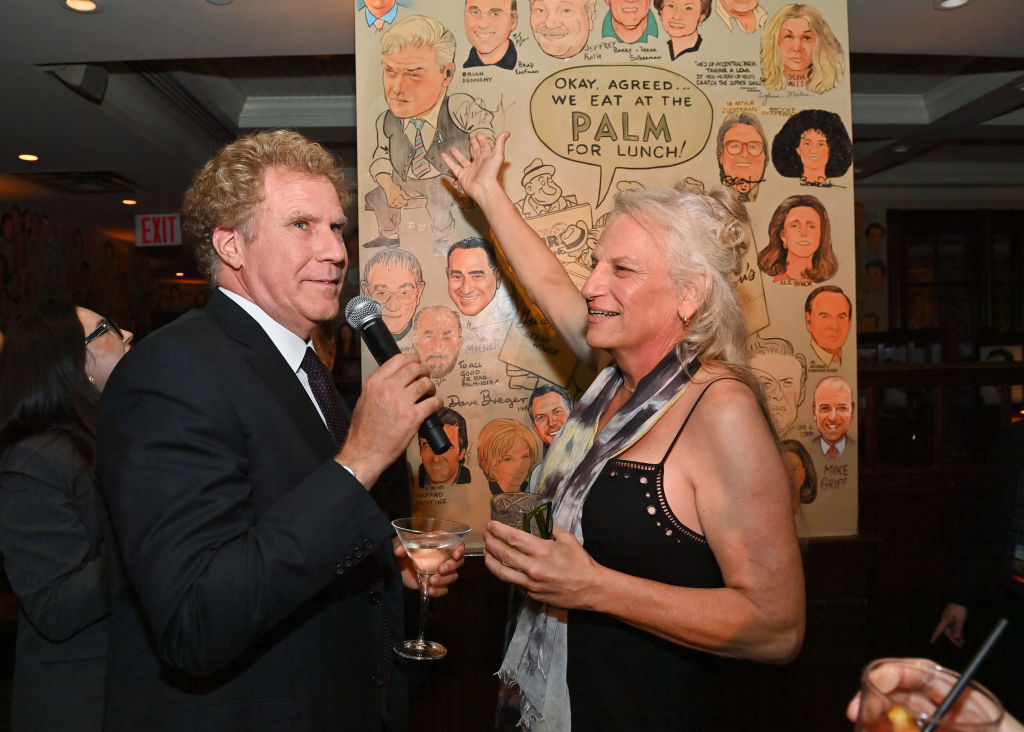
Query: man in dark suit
(255, 583)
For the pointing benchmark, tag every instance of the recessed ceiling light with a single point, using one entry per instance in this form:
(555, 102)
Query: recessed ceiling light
(900, 148)
(83, 6)
(129, 202)
(28, 157)
(179, 274)
(949, 4)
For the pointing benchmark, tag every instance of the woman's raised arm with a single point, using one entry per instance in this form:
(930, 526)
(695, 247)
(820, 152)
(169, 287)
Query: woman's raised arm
(535, 266)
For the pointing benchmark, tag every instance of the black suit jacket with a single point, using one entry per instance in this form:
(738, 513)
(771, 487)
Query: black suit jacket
(257, 588)
(51, 541)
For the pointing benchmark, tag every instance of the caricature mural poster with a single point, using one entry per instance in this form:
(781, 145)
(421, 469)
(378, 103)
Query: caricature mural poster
(748, 95)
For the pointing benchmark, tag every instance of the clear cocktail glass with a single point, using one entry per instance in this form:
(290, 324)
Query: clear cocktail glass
(429, 542)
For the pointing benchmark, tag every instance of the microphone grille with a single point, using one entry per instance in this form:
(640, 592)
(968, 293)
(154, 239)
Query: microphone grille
(361, 309)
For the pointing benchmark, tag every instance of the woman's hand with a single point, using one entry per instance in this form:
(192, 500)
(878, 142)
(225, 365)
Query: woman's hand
(557, 571)
(478, 173)
(447, 573)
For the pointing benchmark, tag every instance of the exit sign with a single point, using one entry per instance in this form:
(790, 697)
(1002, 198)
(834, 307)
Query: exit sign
(157, 230)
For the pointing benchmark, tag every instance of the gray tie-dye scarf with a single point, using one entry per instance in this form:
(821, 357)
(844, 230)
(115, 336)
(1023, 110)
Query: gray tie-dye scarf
(537, 656)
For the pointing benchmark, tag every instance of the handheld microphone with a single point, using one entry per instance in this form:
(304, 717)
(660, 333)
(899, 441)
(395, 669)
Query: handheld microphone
(365, 315)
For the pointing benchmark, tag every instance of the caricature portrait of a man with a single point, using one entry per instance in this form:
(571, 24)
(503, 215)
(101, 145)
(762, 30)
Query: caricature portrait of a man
(562, 27)
(827, 313)
(549, 408)
(448, 468)
(436, 339)
(489, 23)
(422, 121)
(394, 278)
(746, 15)
(783, 376)
(833, 413)
(742, 154)
(629, 21)
(378, 13)
(874, 234)
(473, 274)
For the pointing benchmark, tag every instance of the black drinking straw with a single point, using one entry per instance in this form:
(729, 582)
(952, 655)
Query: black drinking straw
(967, 675)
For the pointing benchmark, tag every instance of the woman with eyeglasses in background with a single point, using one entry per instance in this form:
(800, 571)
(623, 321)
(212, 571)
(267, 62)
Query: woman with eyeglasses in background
(54, 365)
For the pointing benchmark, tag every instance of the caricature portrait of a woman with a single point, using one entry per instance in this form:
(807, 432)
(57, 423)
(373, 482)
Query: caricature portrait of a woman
(801, 471)
(681, 20)
(799, 50)
(506, 451)
(814, 146)
(799, 249)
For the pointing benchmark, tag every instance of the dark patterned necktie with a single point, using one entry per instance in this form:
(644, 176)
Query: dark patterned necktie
(322, 386)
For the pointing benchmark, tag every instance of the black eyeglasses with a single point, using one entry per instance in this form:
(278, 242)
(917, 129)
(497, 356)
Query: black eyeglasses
(102, 328)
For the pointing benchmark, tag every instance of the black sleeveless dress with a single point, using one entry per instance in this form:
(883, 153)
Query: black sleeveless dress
(619, 677)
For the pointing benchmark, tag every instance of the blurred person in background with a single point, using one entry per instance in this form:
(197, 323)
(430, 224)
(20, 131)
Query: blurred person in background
(54, 366)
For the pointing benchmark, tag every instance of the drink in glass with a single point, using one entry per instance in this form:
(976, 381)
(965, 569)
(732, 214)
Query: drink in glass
(525, 511)
(429, 542)
(900, 695)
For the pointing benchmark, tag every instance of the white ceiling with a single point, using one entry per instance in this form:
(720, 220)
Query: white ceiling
(185, 76)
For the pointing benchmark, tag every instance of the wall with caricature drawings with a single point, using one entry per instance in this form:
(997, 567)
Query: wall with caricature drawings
(601, 97)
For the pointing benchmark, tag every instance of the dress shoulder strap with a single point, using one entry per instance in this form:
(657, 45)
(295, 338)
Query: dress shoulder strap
(690, 413)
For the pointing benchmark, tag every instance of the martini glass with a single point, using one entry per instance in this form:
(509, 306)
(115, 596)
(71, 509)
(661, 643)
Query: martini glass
(428, 542)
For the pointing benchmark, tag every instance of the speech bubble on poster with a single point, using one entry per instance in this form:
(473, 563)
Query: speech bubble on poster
(613, 116)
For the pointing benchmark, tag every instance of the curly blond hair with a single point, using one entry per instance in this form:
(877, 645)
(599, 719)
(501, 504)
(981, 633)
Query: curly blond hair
(826, 64)
(227, 190)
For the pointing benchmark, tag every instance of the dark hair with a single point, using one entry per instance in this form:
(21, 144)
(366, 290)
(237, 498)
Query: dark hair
(773, 258)
(809, 302)
(43, 384)
(475, 242)
(873, 225)
(809, 488)
(447, 415)
(830, 124)
(549, 389)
